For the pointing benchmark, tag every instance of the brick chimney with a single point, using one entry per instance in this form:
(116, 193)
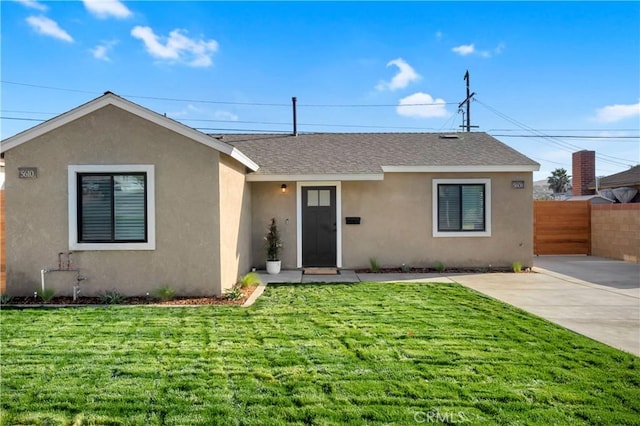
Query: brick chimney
(584, 172)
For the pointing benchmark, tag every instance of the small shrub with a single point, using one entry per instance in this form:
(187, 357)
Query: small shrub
(249, 280)
(274, 243)
(373, 262)
(5, 298)
(111, 297)
(516, 267)
(47, 294)
(165, 293)
(405, 268)
(234, 293)
(440, 267)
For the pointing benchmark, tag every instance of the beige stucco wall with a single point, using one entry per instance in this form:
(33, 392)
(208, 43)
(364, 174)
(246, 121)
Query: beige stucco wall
(615, 231)
(268, 201)
(235, 219)
(396, 224)
(187, 208)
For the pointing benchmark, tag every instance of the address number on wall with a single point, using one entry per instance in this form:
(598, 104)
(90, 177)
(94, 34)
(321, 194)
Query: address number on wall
(27, 172)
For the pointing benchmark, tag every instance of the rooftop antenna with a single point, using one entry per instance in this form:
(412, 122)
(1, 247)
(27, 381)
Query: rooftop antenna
(295, 119)
(467, 101)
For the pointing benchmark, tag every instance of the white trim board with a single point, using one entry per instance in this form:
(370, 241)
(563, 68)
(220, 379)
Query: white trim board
(461, 169)
(315, 178)
(142, 112)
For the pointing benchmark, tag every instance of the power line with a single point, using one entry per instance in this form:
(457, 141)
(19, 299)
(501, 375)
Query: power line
(276, 123)
(204, 101)
(571, 136)
(566, 130)
(265, 122)
(22, 119)
(566, 146)
(450, 120)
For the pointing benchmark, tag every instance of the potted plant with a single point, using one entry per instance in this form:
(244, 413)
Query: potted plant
(274, 244)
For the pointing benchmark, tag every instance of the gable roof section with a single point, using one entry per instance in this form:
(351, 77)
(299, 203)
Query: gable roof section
(111, 99)
(366, 156)
(629, 177)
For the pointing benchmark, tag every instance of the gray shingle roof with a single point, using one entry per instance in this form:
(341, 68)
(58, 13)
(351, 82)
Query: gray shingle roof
(355, 153)
(629, 177)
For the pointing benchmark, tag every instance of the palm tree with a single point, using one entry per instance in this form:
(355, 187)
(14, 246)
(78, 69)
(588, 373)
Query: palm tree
(558, 181)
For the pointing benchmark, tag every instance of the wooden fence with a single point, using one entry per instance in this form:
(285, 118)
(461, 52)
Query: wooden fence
(561, 227)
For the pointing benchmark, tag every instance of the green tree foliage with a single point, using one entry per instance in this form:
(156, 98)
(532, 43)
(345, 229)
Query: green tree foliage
(558, 181)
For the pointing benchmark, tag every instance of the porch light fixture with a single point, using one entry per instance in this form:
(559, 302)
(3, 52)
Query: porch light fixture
(283, 188)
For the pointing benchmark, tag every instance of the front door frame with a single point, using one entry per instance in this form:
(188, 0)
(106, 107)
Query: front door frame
(338, 186)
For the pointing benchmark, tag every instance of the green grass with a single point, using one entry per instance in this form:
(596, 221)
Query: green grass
(314, 354)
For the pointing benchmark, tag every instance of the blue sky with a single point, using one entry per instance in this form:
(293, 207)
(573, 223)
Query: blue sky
(550, 78)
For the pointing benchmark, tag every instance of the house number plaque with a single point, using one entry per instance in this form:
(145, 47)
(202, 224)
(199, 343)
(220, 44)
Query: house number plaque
(517, 184)
(27, 172)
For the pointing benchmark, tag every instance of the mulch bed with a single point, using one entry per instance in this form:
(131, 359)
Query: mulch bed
(178, 301)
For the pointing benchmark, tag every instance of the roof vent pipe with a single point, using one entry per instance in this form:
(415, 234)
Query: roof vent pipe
(295, 119)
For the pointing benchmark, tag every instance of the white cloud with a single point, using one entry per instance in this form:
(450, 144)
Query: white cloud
(107, 8)
(177, 47)
(101, 51)
(225, 115)
(499, 48)
(464, 50)
(470, 49)
(406, 74)
(422, 105)
(32, 4)
(48, 27)
(612, 113)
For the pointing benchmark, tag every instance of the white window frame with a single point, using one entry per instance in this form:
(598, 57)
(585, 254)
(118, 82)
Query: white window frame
(487, 208)
(74, 170)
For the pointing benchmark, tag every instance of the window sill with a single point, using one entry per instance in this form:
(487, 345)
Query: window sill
(461, 234)
(111, 246)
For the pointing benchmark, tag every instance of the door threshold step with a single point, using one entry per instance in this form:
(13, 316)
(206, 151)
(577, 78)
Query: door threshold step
(320, 271)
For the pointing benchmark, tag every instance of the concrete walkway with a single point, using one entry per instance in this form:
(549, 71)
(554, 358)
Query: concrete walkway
(607, 311)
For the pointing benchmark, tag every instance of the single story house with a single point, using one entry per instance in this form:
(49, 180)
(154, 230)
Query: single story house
(143, 201)
(610, 184)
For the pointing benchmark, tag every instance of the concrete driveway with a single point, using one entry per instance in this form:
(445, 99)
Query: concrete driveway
(615, 274)
(596, 297)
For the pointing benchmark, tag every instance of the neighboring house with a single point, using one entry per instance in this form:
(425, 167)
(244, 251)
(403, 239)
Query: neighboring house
(142, 200)
(627, 179)
(600, 191)
(630, 178)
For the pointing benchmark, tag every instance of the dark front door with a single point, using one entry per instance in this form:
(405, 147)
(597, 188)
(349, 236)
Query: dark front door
(318, 226)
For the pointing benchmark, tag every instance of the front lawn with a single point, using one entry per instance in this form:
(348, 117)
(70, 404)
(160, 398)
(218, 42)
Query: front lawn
(311, 354)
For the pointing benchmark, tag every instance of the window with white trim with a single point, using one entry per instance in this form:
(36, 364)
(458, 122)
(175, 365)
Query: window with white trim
(462, 207)
(111, 207)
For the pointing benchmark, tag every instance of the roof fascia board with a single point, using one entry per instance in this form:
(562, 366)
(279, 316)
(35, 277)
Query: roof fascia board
(147, 114)
(315, 178)
(461, 169)
(238, 155)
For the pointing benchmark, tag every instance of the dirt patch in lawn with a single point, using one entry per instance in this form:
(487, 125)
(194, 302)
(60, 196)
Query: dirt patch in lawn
(139, 300)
